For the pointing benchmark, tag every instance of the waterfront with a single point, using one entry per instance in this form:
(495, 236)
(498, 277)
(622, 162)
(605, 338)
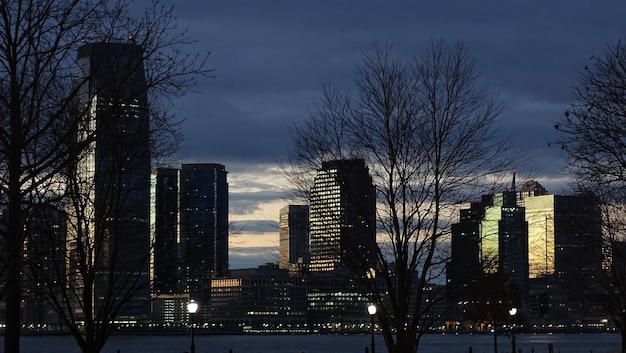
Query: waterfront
(432, 343)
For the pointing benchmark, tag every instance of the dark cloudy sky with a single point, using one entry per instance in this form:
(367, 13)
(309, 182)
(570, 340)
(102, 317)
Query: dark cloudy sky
(271, 58)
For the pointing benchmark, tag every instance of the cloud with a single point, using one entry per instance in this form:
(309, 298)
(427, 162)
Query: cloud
(258, 226)
(271, 57)
(250, 250)
(252, 257)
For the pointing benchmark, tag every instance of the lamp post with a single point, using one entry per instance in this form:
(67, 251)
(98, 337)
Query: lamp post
(371, 309)
(192, 307)
(512, 312)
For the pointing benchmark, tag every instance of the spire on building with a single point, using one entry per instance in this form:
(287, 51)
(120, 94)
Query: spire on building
(512, 188)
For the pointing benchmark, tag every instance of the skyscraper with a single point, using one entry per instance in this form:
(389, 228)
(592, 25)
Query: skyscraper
(164, 220)
(546, 245)
(342, 216)
(294, 237)
(111, 191)
(464, 267)
(564, 233)
(203, 229)
(513, 242)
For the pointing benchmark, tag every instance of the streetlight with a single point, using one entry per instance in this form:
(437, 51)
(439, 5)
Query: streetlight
(192, 307)
(371, 309)
(512, 312)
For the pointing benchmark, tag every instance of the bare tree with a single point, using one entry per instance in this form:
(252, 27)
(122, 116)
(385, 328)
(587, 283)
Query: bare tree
(40, 117)
(593, 136)
(427, 131)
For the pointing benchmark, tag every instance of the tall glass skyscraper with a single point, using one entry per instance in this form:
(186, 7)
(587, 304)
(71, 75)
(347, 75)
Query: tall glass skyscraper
(203, 227)
(189, 220)
(342, 217)
(111, 198)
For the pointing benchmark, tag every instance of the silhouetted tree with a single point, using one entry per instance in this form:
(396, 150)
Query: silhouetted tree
(40, 117)
(428, 132)
(593, 137)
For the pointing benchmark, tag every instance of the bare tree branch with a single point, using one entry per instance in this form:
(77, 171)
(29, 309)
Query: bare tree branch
(593, 137)
(43, 132)
(428, 133)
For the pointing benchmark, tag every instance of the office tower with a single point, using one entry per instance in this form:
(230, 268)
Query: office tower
(504, 241)
(464, 267)
(164, 221)
(564, 235)
(112, 189)
(203, 229)
(294, 238)
(266, 299)
(504, 235)
(342, 216)
(513, 242)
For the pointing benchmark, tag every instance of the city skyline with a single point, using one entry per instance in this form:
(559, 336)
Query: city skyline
(272, 58)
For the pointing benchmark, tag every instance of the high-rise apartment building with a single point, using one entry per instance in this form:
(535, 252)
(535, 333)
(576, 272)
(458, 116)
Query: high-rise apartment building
(113, 178)
(342, 216)
(294, 238)
(203, 248)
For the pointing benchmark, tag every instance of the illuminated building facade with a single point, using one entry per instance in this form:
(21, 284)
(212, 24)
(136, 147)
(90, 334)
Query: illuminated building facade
(489, 232)
(294, 238)
(513, 242)
(504, 239)
(261, 299)
(563, 233)
(545, 244)
(335, 303)
(114, 176)
(564, 252)
(342, 216)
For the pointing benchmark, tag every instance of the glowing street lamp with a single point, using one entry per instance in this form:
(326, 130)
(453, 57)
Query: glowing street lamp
(371, 309)
(512, 312)
(192, 307)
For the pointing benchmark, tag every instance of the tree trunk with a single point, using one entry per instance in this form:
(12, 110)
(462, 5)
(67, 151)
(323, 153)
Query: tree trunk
(14, 249)
(13, 237)
(13, 294)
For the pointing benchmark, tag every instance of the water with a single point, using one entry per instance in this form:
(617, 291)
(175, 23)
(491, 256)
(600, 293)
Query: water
(434, 343)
